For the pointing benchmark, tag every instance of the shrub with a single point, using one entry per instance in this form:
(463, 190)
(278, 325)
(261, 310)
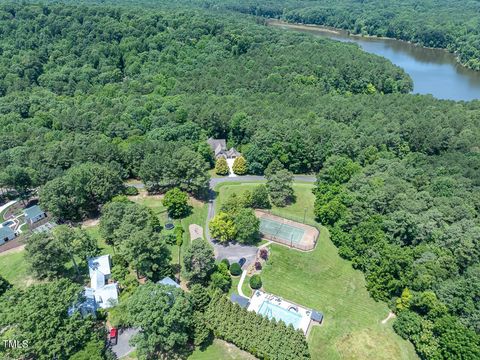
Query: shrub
(258, 265)
(221, 167)
(235, 269)
(240, 166)
(264, 254)
(131, 191)
(226, 262)
(256, 282)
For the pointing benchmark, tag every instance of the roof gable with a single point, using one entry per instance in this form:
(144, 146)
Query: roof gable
(33, 212)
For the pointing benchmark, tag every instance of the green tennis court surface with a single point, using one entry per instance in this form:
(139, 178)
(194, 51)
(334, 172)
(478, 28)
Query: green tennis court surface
(281, 231)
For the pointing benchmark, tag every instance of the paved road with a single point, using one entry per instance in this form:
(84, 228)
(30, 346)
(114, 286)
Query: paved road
(232, 252)
(123, 347)
(5, 206)
(216, 181)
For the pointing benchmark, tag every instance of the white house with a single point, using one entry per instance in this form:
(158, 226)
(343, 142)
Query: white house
(34, 214)
(105, 294)
(6, 234)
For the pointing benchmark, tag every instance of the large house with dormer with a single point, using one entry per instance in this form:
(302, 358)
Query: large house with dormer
(219, 148)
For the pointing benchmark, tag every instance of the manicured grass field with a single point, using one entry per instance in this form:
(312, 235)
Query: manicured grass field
(14, 268)
(221, 350)
(321, 280)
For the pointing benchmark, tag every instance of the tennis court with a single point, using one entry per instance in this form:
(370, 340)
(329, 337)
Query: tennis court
(280, 230)
(287, 232)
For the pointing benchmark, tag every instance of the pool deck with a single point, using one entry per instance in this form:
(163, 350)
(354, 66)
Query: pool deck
(259, 298)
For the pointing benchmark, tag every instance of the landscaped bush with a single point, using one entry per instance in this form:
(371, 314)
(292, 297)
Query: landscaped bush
(240, 166)
(256, 282)
(221, 167)
(258, 265)
(131, 191)
(226, 262)
(264, 254)
(235, 269)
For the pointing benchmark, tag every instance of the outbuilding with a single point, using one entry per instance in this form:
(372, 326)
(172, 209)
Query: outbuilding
(6, 234)
(317, 316)
(34, 214)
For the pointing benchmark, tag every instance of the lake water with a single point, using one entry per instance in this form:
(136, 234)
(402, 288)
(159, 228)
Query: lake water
(433, 71)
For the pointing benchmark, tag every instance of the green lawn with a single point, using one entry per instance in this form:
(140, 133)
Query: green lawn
(220, 350)
(321, 280)
(14, 268)
(94, 232)
(197, 216)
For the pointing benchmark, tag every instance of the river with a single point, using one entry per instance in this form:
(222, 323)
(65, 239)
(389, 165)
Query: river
(433, 71)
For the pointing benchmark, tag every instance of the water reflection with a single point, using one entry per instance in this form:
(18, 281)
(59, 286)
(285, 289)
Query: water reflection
(433, 71)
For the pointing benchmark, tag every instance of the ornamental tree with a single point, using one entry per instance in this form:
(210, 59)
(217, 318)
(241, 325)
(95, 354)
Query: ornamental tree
(221, 166)
(240, 166)
(176, 202)
(222, 227)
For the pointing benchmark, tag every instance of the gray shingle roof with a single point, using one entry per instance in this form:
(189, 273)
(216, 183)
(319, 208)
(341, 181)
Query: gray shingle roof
(33, 212)
(215, 143)
(6, 232)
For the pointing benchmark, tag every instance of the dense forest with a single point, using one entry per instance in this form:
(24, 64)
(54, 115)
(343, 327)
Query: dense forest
(129, 89)
(446, 24)
(93, 95)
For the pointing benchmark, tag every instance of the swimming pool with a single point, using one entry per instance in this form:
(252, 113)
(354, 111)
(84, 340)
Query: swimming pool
(276, 312)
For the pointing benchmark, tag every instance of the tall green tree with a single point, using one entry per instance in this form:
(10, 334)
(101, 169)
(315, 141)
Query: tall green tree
(247, 225)
(146, 252)
(39, 315)
(165, 317)
(240, 166)
(18, 178)
(176, 202)
(80, 192)
(199, 261)
(45, 256)
(279, 184)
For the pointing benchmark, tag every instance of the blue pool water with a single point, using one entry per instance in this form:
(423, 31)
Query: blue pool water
(276, 312)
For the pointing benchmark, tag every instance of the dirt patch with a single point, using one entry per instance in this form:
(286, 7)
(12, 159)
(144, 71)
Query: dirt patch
(12, 246)
(90, 223)
(196, 231)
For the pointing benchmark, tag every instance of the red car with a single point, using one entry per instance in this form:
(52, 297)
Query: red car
(113, 336)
